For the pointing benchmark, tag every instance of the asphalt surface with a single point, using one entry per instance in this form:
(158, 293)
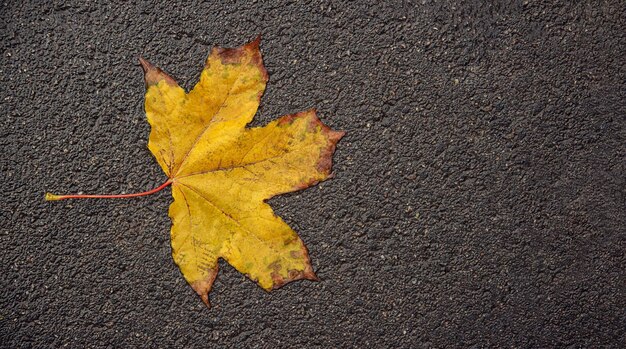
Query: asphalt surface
(479, 197)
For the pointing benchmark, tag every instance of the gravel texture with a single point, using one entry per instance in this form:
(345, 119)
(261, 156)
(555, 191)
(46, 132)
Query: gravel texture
(479, 197)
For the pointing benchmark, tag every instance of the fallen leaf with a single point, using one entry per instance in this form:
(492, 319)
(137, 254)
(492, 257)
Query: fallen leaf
(222, 173)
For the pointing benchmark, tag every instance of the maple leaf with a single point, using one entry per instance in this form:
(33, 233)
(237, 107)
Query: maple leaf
(222, 173)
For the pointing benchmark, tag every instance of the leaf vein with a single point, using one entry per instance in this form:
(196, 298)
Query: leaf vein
(193, 241)
(208, 125)
(232, 167)
(250, 232)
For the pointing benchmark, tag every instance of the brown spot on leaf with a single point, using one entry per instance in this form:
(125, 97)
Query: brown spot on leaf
(277, 281)
(288, 119)
(325, 162)
(294, 274)
(249, 53)
(254, 47)
(304, 185)
(290, 241)
(237, 55)
(229, 55)
(275, 266)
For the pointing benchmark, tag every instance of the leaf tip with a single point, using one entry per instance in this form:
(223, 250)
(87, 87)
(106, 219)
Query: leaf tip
(249, 53)
(256, 42)
(153, 75)
(305, 273)
(335, 136)
(145, 65)
(205, 300)
(278, 281)
(203, 287)
(311, 276)
(325, 162)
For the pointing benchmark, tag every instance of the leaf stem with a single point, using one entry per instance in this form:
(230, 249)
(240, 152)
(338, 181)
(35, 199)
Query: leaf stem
(53, 197)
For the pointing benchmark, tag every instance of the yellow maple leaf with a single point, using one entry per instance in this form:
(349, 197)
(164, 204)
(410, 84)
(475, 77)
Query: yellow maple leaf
(221, 172)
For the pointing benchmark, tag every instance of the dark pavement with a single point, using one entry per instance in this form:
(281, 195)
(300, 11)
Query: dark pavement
(479, 197)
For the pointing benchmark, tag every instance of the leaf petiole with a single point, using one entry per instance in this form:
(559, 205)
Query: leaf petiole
(53, 197)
